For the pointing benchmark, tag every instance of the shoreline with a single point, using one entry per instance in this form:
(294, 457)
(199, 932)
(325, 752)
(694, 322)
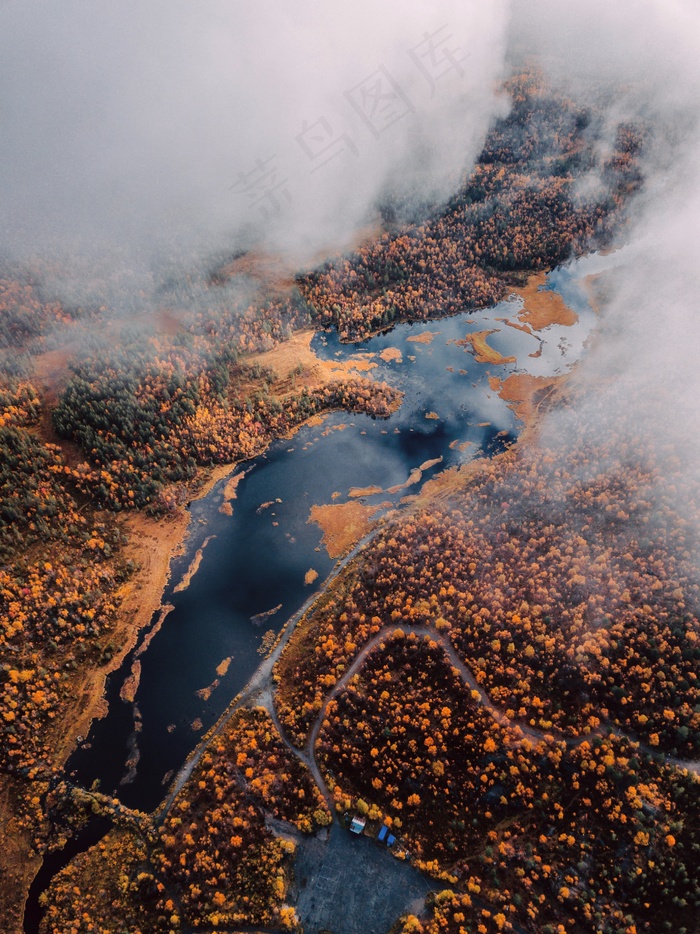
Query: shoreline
(262, 681)
(443, 483)
(297, 350)
(153, 543)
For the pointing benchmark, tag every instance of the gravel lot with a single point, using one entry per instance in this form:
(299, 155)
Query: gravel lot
(349, 884)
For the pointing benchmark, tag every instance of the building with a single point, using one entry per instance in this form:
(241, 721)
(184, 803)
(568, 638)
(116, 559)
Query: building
(357, 824)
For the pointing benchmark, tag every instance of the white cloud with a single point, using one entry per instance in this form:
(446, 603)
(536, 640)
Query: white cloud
(137, 123)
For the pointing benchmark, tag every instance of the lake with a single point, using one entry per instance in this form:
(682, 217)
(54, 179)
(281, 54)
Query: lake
(254, 562)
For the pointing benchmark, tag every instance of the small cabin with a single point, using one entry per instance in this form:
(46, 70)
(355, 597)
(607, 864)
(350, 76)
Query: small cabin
(357, 824)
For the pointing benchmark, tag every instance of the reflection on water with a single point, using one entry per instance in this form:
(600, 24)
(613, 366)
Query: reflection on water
(256, 560)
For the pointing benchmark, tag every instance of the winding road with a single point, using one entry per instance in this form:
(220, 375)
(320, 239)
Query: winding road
(259, 692)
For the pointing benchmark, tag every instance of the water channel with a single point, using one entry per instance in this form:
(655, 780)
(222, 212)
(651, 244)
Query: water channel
(253, 571)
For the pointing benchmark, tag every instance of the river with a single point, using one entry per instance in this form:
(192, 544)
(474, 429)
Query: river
(255, 561)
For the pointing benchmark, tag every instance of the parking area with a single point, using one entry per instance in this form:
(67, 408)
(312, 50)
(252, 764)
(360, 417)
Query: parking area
(347, 883)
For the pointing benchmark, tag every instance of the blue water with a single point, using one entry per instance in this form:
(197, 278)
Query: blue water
(257, 558)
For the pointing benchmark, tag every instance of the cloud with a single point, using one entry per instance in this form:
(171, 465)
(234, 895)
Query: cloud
(152, 128)
(138, 139)
(639, 383)
(652, 327)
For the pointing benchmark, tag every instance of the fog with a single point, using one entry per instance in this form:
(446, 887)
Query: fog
(141, 138)
(144, 131)
(644, 361)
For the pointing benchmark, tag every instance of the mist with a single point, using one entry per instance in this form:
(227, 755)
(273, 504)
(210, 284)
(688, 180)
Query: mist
(634, 421)
(143, 141)
(643, 363)
(137, 134)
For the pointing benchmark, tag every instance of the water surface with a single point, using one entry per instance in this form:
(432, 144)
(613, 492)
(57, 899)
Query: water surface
(256, 560)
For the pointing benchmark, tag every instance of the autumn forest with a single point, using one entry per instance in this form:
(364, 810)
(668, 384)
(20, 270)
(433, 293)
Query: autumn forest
(506, 676)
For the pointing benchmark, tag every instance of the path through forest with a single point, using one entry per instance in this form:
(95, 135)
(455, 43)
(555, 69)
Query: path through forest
(259, 692)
